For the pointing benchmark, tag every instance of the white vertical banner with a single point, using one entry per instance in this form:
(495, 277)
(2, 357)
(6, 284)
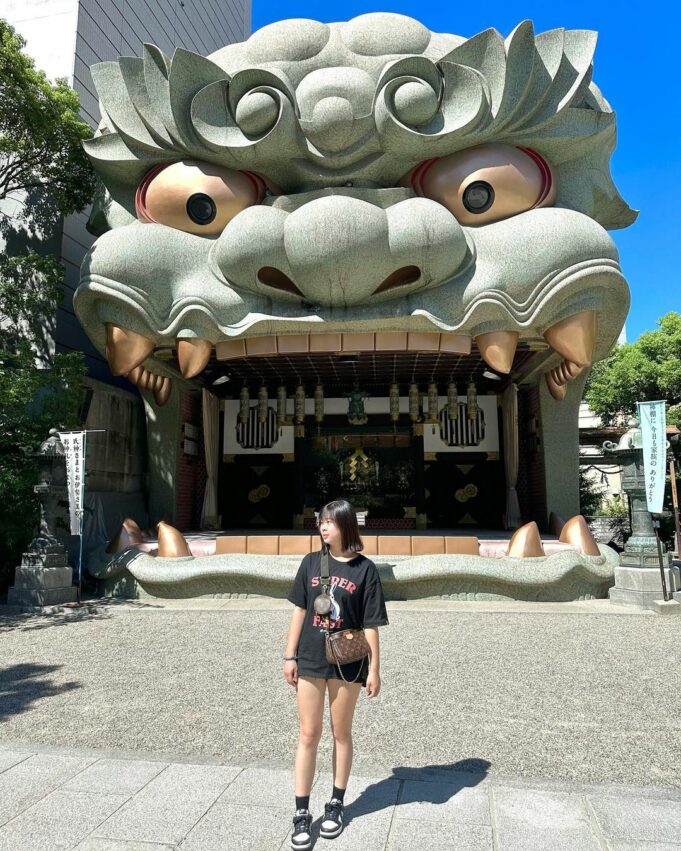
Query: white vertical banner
(652, 417)
(74, 447)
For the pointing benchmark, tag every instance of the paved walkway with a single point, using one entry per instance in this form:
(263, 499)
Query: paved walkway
(79, 799)
(166, 725)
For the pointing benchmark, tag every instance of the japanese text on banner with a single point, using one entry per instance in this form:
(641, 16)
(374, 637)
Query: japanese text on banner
(654, 438)
(73, 443)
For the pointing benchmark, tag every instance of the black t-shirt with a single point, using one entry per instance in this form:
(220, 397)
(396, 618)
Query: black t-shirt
(356, 601)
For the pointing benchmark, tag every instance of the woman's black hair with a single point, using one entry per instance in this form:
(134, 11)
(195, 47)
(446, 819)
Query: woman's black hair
(340, 512)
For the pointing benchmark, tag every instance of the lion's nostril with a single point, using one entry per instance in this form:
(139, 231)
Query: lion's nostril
(276, 278)
(404, 275)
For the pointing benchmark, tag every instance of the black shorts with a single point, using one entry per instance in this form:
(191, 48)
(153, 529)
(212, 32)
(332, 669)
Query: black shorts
(326, 671)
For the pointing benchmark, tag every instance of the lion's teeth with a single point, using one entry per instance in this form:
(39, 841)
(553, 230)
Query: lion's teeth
(162, 391)
(558, 391)
(134, 375)
(574, 337)
(125, 349)
(193, 355)
(145, 379)
(526, 542)
(577, 532)
(171, 543)
(497, 349)
(571, 370)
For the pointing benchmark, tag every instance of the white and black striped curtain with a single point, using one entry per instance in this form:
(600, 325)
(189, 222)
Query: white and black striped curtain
(257, 435)
(462, 431)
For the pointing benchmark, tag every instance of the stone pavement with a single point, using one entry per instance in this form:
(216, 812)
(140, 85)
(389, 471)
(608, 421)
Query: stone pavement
(57, 798)
(152, 725)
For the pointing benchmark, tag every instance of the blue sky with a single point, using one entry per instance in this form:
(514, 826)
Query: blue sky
(636, 67)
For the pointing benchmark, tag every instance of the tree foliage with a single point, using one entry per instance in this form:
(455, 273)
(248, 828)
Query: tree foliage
(44, 168)
(32, 401)
(646, 370)
(33, 397)
(42, 162)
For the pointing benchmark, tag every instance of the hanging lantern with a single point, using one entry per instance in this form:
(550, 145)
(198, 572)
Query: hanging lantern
(432, 402)
(394, 402)
(244, 400)
(299, 404)
(452, 401)
(472, 400)
(262, 404)
(414, 403)
(281, 406)
(319, 403)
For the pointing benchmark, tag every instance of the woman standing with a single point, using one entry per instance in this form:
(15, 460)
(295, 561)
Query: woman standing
(357, 602)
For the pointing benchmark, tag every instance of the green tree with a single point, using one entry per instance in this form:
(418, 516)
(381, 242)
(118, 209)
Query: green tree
(34, 397)
(32, 401)
(44, 169)
(42, 162)
(646, 370)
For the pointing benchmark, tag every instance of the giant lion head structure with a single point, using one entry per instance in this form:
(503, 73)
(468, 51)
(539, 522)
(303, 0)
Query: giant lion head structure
(367, 176)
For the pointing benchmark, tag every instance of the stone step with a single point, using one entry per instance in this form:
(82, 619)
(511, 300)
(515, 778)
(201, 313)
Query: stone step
(43, 577)
(642, 599)
(41, 596)
(646, 578)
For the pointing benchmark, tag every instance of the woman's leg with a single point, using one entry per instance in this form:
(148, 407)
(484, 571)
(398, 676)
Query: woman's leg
(310, 698)
(342, 701)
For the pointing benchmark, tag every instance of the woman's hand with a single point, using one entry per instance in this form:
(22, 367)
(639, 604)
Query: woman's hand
(373, 685)
(291, 673)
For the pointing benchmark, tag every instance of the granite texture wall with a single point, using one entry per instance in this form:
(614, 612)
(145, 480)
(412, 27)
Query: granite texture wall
(559, 430)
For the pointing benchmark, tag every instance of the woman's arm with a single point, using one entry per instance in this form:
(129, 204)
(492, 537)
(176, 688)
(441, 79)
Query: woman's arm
(373, 685)
(371, 633)
(294, 630)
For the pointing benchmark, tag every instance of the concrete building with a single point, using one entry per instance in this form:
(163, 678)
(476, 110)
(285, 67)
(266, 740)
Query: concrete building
(65, 38)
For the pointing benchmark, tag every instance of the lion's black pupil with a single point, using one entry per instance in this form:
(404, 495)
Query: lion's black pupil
(201, 208)
(478, 197)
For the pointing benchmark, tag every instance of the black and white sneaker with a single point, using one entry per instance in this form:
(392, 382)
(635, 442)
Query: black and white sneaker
(301, 838)
(332, 824)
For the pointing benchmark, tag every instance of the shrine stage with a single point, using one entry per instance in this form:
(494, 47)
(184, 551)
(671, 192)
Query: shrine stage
(489, 543)
(425, 564)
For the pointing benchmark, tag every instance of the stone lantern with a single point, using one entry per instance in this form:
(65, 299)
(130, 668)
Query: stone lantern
(44, 577)
(638, 579)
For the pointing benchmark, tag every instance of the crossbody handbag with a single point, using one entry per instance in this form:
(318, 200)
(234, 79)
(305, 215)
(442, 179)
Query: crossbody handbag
(347, 645)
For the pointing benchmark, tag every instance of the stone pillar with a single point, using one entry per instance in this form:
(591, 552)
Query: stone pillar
(559, 446)
(164, 436)
(44, 577)
(638, 581)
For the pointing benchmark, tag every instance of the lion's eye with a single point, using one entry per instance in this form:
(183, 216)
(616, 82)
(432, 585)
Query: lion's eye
(196, 197)
(201, 208)
(478, 196)
(486, 184)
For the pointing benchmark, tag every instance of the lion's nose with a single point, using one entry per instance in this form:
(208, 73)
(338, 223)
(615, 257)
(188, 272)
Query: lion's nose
(339, 250)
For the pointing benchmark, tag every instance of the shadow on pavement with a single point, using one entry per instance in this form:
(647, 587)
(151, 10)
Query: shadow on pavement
(12, 618)
(437, 784)
(23, 685)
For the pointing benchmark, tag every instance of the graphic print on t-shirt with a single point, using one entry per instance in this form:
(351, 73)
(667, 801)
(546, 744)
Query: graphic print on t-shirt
(357, 601)
(333, 620)
(334, 614)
